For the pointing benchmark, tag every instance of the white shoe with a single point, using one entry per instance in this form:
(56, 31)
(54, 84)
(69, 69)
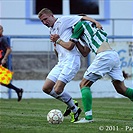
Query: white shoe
(83, 120)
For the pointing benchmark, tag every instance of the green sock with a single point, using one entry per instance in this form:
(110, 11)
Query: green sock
(129, 93)
(87, 101)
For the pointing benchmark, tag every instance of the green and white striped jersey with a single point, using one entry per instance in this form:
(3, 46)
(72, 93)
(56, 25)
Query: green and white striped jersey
(91, 36)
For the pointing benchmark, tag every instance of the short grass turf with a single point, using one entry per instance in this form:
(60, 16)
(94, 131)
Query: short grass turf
(29, 116)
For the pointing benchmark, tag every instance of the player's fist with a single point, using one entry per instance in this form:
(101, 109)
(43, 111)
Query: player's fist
(54, 37)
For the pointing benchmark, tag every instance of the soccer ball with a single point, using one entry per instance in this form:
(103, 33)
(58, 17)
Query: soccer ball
(55, 116)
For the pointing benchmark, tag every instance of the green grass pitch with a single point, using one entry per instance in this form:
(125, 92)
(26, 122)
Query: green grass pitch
(29, 116)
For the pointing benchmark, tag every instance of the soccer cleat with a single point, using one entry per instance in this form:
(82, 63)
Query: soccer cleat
(68, 110)
(83, 120)
(20, 93)
(74, 116)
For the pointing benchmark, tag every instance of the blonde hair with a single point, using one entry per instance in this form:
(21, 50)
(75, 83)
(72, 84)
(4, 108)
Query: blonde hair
(45, 11)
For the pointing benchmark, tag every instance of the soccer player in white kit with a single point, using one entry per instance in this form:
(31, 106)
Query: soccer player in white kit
(68, 60)
(106, 62)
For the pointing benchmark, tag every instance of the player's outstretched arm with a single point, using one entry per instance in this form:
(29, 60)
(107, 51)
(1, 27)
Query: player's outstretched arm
(98, 25)
(67, 45)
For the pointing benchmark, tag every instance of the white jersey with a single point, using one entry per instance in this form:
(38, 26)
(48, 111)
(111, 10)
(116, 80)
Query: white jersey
(63, 27)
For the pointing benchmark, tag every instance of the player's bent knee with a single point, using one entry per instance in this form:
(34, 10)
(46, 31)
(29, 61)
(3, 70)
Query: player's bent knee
(81, 85)
(59, 87)
(46, 90)
(58, 91)
(85, 83)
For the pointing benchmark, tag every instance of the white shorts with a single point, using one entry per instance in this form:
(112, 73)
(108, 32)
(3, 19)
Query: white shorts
(107, 62)
(65, 71)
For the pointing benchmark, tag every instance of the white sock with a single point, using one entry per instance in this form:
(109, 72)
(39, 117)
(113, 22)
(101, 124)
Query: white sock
(69, 101)
(66, 98)
(88, 113)
(53, 93)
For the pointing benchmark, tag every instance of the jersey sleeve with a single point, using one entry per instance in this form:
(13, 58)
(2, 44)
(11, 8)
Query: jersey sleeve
(77, 32)
(70, 21)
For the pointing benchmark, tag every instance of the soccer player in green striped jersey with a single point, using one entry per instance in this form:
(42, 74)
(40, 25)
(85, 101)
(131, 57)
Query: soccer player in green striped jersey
(106, 62)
